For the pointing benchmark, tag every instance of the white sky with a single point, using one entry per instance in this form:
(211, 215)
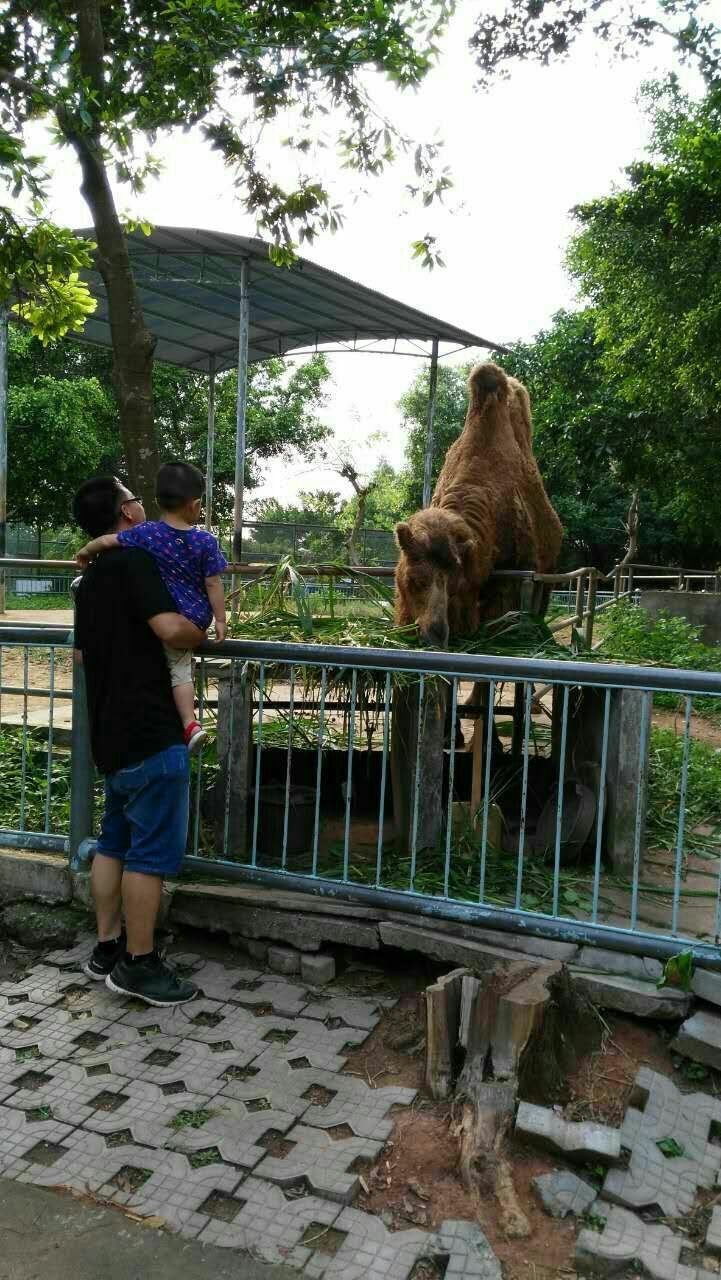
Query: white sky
(520, 156)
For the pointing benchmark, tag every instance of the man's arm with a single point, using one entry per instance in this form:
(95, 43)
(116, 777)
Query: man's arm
(216, 596)
(175, 630)
(151, 602)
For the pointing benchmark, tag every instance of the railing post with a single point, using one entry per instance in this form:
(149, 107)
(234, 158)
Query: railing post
(591, 607)
(82, 774)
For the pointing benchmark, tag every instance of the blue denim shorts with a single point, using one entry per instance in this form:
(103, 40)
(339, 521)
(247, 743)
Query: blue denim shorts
(145, 820)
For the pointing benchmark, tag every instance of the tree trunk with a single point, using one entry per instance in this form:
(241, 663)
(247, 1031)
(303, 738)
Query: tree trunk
(133, 344)
(354, 555)
(631, 526)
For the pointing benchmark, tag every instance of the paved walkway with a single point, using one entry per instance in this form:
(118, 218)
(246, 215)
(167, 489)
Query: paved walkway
(46, 1236)
(228, 1121)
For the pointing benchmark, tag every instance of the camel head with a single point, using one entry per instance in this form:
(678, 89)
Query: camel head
(434, 547)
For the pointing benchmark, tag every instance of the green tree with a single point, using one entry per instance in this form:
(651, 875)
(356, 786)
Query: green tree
(84, 438)
(648, 259)
(110, 77)
(545, 31)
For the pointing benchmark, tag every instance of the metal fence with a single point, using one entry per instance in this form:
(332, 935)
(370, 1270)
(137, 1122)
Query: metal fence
(580, 809)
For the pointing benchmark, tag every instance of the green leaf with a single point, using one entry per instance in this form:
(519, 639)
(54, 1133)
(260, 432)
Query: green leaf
(670, 1148)
(678, 972)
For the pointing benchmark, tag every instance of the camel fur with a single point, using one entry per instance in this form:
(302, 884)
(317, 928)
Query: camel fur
(489, 511)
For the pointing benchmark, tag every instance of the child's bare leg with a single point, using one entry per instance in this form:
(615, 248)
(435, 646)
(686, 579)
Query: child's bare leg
(184, 698)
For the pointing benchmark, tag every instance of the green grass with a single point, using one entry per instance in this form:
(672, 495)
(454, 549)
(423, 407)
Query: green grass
(38, 602)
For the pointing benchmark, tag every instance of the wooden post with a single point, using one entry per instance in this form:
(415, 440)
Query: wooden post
(417, 760)
(579, 600)
(591, 607)
(235, 752)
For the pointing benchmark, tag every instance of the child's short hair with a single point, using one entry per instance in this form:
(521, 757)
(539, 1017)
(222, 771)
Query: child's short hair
(177, 484)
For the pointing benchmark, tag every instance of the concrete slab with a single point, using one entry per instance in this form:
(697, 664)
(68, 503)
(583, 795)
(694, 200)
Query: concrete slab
(561, 1193)
(700, 1038)
(75, 1235)
(707, 986)
(630, 995)
(599, 960)
(438, 945)
(27, 874)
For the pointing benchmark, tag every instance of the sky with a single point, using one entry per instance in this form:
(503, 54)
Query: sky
(520, 155)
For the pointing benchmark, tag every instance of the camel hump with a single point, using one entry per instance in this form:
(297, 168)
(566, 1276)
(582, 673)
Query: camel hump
(486, 380)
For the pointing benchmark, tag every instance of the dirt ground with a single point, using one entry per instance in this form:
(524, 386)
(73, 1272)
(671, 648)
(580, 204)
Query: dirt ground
(415, 1181)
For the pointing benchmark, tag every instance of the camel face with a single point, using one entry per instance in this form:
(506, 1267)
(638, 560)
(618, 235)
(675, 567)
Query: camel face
(430, 573)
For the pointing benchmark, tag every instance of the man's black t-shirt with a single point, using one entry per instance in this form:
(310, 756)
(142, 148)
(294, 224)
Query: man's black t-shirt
(130, 701)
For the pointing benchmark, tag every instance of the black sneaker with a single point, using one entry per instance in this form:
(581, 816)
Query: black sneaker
(104, 959)
(151, 980)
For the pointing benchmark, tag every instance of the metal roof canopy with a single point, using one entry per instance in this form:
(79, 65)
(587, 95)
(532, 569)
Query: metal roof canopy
(215, 301)
(189, 280)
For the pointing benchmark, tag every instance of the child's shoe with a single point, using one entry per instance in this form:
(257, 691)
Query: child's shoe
(195, 737)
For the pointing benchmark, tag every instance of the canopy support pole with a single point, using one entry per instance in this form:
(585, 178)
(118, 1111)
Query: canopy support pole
(243, 327)
(209, 465)
(432, 388)
(3, 444)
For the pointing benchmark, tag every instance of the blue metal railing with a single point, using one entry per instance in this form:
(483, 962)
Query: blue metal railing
(315, 748)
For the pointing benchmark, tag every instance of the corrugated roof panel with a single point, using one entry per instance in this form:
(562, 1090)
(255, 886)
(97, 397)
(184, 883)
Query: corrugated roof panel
(188, 280)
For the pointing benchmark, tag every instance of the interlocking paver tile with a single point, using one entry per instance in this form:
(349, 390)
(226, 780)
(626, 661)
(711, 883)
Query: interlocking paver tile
(371, 1252)
(72, 957)
(146, 1112)
(322, 1046)
(44, 984)
(12, 1011)
(354, 1103)
(661, 1113)
(58, 1034)
(269, 1226)
(12, 1071)
(18, 1136)
(177, 1022)
(352, 1011)
(577, 1140)
(625, 1239)
(233, 1129)
(174, 1190)
(324, 1161)
(86, 1164)
(69, 1092)
(166, 1059)
(250, 987)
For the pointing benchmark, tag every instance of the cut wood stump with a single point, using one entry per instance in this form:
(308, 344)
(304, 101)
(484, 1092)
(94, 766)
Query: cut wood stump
(491, 1038)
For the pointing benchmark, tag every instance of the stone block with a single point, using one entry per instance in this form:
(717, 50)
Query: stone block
(256, 950)
(439, 945)
(524, 944)
(317, 970)
(706, 984)
(630, 995)
(700, 1039)
(232, 912)
(561, 1193)
(584, 1141)
(26, 874)
(599, 960)
(713, 1233)
(283, 960)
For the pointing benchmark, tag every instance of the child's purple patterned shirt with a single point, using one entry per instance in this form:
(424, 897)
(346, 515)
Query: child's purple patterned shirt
(185, 558)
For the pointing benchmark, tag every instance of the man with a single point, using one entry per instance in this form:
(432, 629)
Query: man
(124, 615)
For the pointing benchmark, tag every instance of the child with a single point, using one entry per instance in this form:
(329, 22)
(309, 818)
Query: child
(190, 562)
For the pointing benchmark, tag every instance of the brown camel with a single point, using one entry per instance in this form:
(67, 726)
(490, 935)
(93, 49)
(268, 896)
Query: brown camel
(489, 511)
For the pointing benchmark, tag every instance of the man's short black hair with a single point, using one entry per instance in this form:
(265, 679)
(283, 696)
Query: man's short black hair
(97, 503)
(177, 484)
